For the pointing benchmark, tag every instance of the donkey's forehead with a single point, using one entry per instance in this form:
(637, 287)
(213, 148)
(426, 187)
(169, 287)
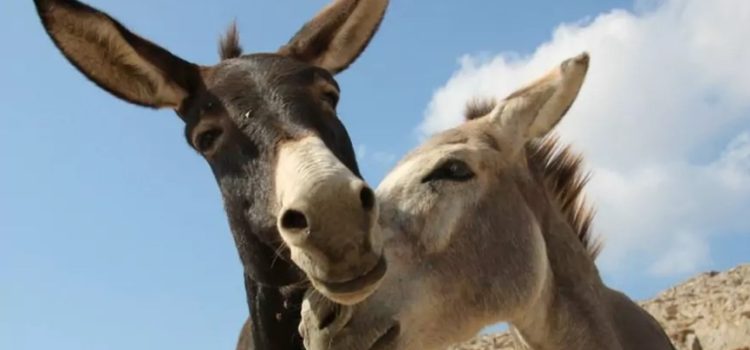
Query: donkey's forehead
(425, 158)
(266, 68)
(478, 133)
(465, 141)
(414, 166)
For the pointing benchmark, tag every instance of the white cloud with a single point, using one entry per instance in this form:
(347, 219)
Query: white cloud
(384, 158)
(376, 158)
(688, 255)
(662, 120)
(361, 153)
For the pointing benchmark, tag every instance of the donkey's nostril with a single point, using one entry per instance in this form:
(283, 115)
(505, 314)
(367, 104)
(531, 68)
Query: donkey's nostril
(293, 220)
(367, 198)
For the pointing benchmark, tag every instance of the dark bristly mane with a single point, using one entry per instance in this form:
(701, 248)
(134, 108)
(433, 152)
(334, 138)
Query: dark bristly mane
(563, 175)
(565, 179)
(229, 44)
(479, 107)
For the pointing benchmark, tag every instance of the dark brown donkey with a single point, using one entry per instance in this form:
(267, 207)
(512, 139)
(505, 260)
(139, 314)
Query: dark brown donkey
(267, 126)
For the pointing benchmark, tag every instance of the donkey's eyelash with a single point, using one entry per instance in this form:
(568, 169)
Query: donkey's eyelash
(331, 97)
(206, 140)
(450, 170)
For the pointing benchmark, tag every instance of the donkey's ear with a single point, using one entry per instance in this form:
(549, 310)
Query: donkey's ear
(535, 109)
(338, 34)
(117, 60)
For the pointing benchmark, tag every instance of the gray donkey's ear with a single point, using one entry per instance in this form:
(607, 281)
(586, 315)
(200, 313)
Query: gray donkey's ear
(535, 109)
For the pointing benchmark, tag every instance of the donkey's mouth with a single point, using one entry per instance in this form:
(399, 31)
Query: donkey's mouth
(357, 284)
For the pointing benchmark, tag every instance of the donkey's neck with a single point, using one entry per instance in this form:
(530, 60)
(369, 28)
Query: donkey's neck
(566, 318)
(274, 316)
(571, 311)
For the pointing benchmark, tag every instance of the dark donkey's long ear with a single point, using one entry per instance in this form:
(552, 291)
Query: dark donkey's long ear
(117, 60)
(338, 34)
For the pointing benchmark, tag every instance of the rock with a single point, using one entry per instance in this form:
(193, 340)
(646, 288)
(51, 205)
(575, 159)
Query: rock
(708, 312)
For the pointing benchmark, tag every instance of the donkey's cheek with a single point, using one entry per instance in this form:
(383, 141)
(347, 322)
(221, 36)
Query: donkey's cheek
(437, 231)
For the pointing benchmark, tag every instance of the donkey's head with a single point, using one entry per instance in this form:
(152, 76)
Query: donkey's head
(267, 126)
(464, 214)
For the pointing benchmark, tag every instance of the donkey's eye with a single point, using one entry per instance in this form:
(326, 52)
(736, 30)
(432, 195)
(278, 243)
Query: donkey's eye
(206, 140)
(451, 170)
(331, 98)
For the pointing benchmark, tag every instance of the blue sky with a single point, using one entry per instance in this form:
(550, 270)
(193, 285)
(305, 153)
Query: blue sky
(112, 231)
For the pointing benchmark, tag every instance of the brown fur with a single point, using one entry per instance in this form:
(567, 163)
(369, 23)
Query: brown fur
(322, 34)
(290, 95)
(229, 44)
(479, 107)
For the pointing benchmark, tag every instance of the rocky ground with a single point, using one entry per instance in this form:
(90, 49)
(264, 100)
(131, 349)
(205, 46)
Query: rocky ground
(708, 312)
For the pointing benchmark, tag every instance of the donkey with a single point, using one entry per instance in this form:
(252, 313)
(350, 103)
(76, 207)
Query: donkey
(266, 124)
(486, 223)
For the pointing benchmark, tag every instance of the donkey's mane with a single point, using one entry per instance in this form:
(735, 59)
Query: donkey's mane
(229, 44)
(565, 178)
(563, 175)
(479, 107)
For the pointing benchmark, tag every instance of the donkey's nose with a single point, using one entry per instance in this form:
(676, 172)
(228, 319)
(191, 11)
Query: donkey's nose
(293, 220)
(367, 198)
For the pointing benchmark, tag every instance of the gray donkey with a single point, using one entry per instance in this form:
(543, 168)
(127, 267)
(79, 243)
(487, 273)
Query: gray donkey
(486, 223)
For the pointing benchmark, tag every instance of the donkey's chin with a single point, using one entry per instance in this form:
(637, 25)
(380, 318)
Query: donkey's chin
(355, 290)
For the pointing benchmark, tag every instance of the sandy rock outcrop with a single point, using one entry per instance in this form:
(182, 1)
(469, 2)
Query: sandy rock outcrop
(708, 312)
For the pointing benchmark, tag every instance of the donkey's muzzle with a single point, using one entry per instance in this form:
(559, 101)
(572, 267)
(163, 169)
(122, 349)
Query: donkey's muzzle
(296, 221)
(334, 239)
(328, 218)
(357, 284)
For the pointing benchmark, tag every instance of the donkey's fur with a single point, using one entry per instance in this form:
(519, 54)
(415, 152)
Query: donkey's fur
(485, 223)
(229, 45)
(565, 179)
(266, 124)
